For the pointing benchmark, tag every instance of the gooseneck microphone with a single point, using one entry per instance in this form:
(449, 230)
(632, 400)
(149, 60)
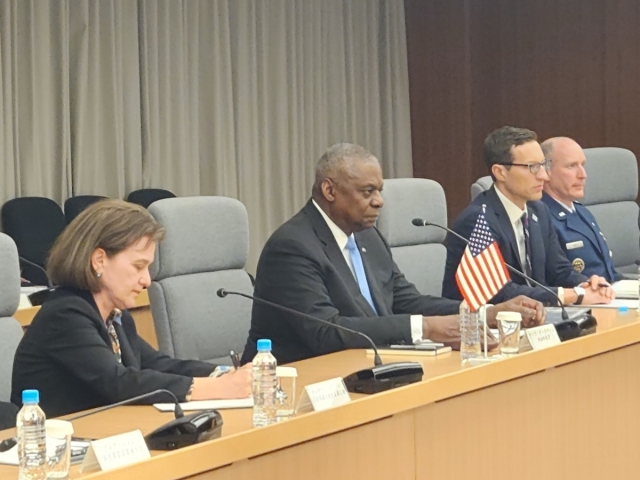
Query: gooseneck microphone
(38, 267)
(418, 222)
(183, 431)
(38, 298)
(376, 360)
(371, 380)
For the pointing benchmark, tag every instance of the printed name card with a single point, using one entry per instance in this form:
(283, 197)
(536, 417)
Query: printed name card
(323, 395)
(117, 451)
(540, 337)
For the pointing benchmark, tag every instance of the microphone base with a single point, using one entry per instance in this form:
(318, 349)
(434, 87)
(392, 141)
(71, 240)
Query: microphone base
(384, 377)
(580, 322)
(185, 431)
(575, 328)
(38, 298)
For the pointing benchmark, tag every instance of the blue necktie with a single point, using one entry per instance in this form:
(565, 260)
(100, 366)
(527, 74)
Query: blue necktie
(358, 270)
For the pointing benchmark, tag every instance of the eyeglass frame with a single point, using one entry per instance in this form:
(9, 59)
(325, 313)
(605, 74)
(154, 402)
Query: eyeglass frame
(537, 166)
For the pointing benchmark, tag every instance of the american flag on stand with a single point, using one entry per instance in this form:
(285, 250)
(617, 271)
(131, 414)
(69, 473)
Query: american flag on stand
(482, 272)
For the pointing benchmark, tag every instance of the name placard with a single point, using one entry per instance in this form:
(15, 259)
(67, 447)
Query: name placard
(323, 395)
(117, 451)
(537, 338)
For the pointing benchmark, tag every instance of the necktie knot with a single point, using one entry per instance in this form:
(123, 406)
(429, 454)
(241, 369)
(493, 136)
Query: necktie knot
(351, 244)
(524, 219)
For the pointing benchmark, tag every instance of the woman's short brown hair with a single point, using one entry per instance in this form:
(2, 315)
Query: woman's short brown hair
(112, 225)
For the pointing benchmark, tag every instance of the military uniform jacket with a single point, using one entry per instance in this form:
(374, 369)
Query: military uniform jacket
(581, 239)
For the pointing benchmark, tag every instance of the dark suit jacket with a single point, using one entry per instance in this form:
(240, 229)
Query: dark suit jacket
(581, 226)
(66, 354)
(8, 413)
(302, 267)
(548, 262)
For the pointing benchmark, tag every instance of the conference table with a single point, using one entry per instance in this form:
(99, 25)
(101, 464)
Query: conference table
(566, 412)
(141, 314)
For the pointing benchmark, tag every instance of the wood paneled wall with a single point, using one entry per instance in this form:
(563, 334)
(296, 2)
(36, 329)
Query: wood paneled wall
(559, 67)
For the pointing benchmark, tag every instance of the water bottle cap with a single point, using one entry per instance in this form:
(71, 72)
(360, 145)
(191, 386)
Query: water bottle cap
(264, 344)
(623, 309)
(30, 396)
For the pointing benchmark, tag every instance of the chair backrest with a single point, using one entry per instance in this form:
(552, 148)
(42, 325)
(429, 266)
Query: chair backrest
(418, 251)
(610, 194)
(205, 249)
(146, 196)
(10, 329)
(33, 223)
(74, 206)
(481, 185)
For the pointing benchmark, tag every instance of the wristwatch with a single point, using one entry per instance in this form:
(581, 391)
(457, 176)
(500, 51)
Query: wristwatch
(580, 292)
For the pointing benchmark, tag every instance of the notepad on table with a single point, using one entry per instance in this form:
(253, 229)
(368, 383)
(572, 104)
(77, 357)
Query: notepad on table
(412, 350)
(626, 288)
(207, 405)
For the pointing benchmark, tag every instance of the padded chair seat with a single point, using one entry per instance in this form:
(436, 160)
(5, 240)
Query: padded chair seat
(418, 251)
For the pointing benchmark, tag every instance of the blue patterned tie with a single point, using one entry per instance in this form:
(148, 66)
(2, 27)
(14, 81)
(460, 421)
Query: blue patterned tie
(358, 270)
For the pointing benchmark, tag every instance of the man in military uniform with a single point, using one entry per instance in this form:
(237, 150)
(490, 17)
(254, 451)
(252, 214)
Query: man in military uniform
(578, 232)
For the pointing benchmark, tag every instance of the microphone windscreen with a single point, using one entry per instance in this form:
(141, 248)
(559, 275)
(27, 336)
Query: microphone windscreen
(418, 222)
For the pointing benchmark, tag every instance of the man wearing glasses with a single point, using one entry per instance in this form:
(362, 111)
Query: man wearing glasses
(522, 226)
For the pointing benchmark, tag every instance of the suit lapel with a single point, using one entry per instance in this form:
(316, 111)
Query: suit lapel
(128, 357)
(582, 225)
(537, 244)
(336, 258)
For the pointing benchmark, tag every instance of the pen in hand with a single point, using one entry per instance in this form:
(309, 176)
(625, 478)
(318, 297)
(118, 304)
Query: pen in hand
(235, 359)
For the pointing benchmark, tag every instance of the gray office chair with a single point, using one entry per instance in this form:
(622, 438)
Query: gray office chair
(418, 251)
(205, 249)
(10, 329)
(482, 184)
(610, 194)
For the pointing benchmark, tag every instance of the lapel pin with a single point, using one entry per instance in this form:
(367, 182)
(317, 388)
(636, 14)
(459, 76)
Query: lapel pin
(561, 214)
(364, 250)
(533, 215)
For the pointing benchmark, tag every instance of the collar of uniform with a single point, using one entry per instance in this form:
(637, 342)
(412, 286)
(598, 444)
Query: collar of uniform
(571, 208)
(338, 234)
(513, 211)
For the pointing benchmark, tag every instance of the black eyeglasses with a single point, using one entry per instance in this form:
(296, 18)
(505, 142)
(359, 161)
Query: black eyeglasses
(533, 167)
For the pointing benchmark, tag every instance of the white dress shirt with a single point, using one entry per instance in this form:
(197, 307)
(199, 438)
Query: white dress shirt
(515, 217)
(341, 240)
(571, 208)
(514, 213)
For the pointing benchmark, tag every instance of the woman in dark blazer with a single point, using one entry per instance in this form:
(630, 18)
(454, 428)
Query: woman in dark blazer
(82, 350)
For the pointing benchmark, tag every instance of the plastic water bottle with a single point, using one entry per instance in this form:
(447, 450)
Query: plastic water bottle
(32, 438)
(265, 384)
(470, 346)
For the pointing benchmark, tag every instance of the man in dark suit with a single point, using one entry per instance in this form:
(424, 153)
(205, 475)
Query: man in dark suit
(580, 237)
(331, 262)
(522, 226)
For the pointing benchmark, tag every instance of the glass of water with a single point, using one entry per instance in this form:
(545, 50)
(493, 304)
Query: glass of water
(59, 434)
(509, 328)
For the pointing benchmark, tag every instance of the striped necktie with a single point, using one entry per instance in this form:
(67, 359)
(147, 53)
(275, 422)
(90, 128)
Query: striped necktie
(527, 244)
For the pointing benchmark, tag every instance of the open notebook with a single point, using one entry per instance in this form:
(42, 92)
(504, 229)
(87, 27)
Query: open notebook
(626, 289)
